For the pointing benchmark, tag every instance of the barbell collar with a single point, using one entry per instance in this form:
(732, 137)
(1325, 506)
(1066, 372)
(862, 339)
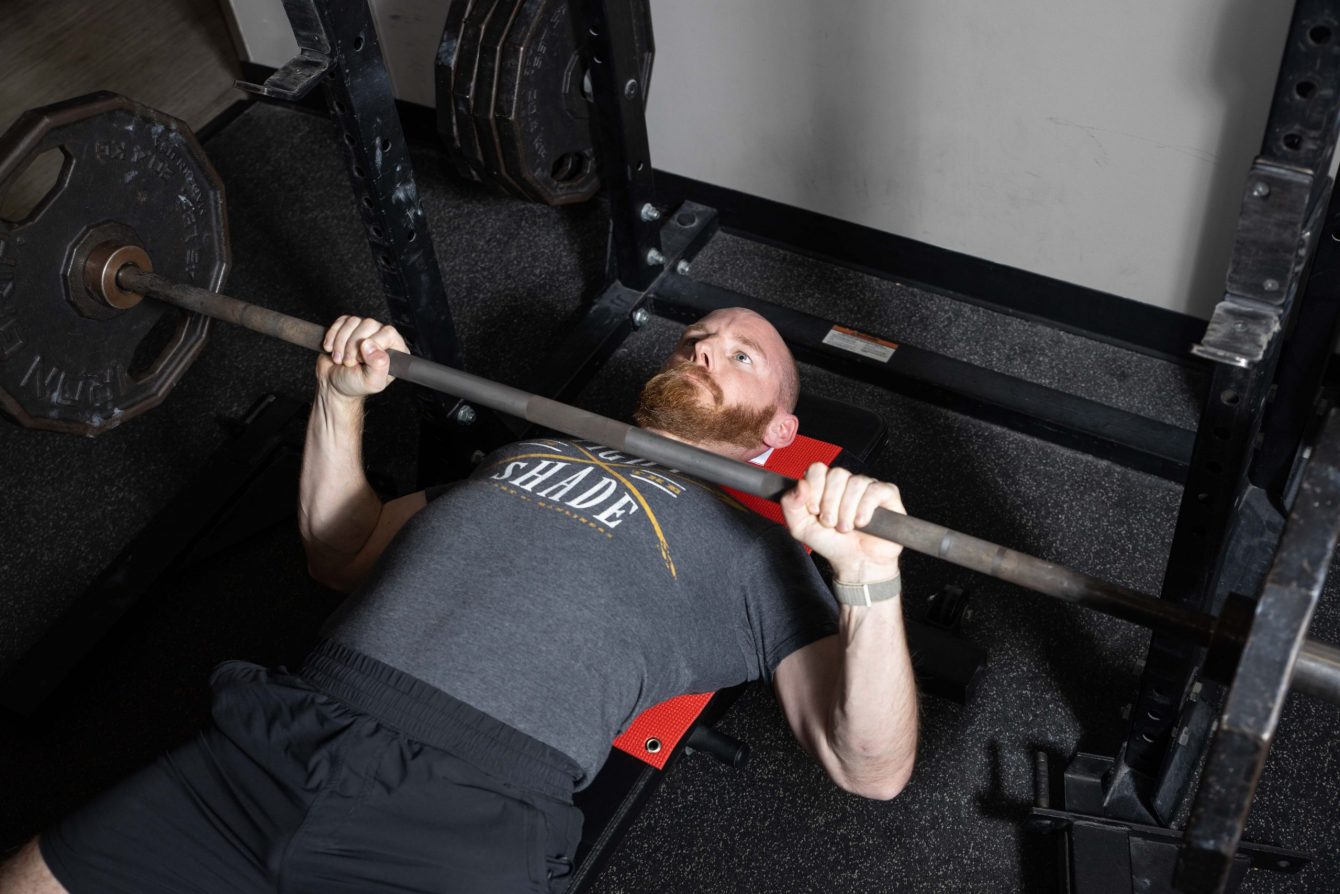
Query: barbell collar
(1317, 670)
(105, 261)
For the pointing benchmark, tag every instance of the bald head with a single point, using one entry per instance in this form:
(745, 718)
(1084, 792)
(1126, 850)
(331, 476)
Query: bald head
(730, 384)
(754, 330)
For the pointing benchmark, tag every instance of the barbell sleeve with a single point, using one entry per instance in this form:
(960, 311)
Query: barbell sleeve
(1317, 670)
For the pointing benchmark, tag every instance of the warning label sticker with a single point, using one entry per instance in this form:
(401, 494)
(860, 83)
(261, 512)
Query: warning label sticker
(860, 343)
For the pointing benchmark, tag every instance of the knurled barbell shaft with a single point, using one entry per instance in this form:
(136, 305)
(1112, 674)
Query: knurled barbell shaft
(1318, 665)
(221, 307)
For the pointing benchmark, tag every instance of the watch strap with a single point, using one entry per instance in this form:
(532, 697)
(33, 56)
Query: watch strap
(867, 594)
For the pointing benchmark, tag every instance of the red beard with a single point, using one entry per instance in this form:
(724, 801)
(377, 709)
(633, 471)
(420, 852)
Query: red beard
(671, 402)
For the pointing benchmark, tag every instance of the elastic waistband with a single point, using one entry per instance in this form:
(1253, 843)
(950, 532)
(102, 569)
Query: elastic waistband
(426, 713)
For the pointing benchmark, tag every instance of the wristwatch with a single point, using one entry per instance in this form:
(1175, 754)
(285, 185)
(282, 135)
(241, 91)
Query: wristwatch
(868, 594)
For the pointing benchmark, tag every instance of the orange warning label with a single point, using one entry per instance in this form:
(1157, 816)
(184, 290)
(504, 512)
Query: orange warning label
(860, 343)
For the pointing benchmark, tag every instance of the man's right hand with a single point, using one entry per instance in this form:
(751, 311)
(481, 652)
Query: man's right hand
(345, 525)
(356, 363)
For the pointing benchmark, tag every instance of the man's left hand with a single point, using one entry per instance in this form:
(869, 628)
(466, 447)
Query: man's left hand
(824, 510)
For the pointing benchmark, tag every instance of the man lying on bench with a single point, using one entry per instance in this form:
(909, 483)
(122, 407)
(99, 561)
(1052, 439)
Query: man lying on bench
(517, 623)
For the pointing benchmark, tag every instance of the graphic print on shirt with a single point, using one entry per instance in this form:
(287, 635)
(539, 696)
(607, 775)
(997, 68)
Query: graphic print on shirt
(592, 485)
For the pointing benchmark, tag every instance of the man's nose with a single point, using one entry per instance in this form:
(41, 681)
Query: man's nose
(702, 354)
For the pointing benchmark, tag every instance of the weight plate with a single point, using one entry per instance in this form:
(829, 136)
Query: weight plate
(486, 81)
(444, 71)
(129, 174)
(463, 83)
(541, 106)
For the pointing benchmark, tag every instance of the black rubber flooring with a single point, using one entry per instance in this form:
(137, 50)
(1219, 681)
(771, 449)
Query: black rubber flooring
(515, 273)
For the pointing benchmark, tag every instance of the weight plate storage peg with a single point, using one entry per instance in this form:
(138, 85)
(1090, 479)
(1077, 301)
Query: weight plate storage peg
(129, 176)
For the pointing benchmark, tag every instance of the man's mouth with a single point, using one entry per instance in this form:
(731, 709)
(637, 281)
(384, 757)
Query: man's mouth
(699, 377)
(691, 371)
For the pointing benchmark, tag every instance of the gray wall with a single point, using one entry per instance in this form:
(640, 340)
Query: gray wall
(1104, 144)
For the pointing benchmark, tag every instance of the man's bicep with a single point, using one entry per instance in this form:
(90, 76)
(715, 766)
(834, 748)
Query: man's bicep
(393, 516)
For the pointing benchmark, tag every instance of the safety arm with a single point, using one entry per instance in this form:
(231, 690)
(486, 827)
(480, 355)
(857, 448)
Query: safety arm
(344, 525)
(851, 700)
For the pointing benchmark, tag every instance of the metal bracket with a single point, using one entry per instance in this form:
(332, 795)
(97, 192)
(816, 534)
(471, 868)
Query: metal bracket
(1238, 333)
(1268, 252)
(1270, 228)
(305, 70)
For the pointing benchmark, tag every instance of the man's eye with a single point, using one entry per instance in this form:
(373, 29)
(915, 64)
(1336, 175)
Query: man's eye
(743, 357)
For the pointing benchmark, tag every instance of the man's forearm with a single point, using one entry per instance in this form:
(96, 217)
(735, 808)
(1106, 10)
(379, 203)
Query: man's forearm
(851, 698)
(337, 508)
(873, 723)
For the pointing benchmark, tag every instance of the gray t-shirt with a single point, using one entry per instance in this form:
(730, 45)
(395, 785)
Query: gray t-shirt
(563, 588)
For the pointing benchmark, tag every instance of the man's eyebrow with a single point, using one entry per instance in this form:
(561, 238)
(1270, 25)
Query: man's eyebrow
(695, 331)
(752, 345)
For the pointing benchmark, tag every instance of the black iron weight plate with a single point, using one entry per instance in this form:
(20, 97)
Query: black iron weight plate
(464, 89)
(486, 83)
(132, 173)
(444, 71)
(541, 109)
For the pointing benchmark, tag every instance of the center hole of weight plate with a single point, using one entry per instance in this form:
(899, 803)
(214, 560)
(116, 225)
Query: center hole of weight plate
(568, 167)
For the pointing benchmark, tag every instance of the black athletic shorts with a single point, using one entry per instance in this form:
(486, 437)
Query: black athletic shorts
(348, 778)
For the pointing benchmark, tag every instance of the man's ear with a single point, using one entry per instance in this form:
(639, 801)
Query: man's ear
(781, 431)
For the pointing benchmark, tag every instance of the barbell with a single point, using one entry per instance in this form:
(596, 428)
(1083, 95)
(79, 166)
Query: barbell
(1317, 663)
(85, 282)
